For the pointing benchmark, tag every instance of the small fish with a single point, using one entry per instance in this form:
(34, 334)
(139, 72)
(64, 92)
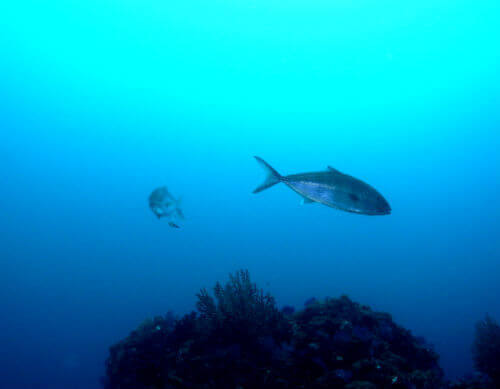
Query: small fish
(163, 204)
(331, 188)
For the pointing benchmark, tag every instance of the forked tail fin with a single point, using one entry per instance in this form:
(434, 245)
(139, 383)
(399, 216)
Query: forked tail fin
(272, 178)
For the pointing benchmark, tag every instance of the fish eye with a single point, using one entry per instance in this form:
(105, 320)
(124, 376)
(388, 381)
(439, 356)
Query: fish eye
(353, 197)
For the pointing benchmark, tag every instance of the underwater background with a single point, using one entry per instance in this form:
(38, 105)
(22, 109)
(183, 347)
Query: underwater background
(103, 101)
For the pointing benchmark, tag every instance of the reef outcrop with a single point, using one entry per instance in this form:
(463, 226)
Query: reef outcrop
(239, 339)
(486, 351)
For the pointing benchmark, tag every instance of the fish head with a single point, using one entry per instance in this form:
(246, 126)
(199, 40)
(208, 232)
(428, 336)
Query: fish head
(369, 202)
(158, 211)
(380, 206)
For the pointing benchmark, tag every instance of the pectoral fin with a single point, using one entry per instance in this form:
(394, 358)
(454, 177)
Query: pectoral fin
(180, 213)
(306, 200)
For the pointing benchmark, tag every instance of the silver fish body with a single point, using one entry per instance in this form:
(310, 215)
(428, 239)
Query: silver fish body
(164, 205)
(331, 188)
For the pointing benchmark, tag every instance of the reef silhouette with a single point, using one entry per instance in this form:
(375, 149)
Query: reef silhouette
(486, 349)
(239, 339)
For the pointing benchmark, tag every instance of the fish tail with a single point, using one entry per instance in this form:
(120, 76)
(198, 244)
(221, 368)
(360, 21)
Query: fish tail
(272, 178)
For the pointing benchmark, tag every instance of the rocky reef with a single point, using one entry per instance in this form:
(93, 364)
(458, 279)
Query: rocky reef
(239, 339)
(486, 351)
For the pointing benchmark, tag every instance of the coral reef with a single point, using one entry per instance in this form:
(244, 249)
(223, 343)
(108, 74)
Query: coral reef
(339, 342)
(241, 311)
(474, 381)
(239, 339)
(486, 349)
(139, 360)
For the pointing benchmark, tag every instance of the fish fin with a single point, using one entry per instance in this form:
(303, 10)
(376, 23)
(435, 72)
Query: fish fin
(178, 209)
(273, 177)
(180, 213)
(173, 225)
(306, 200)
(331, 169)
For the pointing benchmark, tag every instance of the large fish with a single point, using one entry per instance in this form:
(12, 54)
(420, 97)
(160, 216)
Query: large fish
(331, 188)
(163, 204)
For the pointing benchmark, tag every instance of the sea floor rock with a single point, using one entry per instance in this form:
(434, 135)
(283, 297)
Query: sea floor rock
(239, 339)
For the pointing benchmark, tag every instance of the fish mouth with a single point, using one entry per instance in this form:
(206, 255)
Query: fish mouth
(382, 211)
(385, 208)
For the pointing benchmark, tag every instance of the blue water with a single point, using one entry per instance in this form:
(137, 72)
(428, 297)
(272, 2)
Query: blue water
(103, 101)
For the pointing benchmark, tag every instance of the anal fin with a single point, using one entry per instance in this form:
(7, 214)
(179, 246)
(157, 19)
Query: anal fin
(306, 200)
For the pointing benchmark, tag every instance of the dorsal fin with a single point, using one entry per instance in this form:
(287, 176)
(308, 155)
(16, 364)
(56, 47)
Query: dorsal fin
(331, 169)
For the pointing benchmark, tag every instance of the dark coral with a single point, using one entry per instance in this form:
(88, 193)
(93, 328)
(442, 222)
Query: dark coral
(474, 381)
(486, 349)
(239, 339)
(141, 359)
(339, 343)
(241, 311)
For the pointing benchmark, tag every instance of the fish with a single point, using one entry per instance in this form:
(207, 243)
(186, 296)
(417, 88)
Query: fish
(331, 188)
(164, 205)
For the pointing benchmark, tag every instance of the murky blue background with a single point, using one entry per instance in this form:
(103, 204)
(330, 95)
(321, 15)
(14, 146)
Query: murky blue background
(102, 101)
